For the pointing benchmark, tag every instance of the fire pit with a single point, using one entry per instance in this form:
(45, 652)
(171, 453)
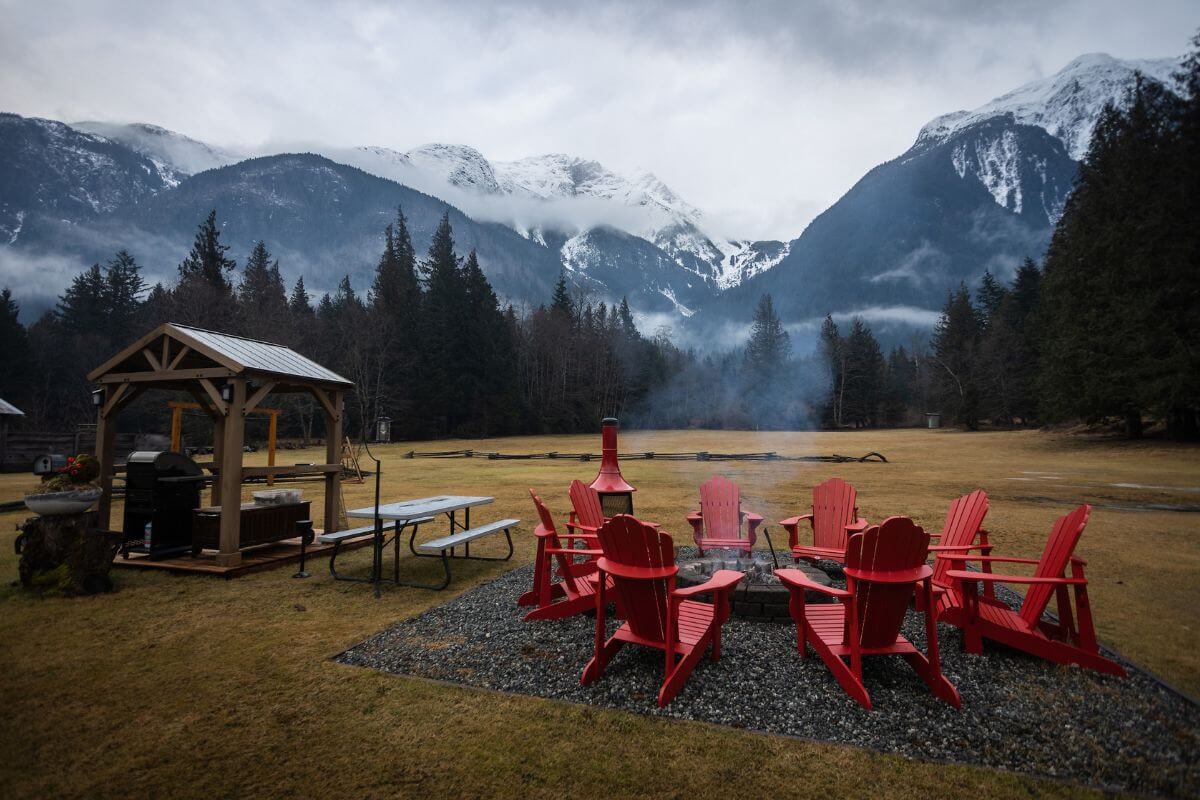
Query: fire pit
(760, 596)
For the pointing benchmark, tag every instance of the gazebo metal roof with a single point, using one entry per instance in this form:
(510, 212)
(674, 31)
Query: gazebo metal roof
(202, 348)
(7, 409)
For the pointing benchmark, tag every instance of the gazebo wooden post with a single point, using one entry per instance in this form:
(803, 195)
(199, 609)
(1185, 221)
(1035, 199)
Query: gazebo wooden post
(230, 477)
(218, 450)
(106, 446)
(333, 455)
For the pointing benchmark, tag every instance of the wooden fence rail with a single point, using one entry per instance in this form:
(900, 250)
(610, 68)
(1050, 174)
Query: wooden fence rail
(702, 455)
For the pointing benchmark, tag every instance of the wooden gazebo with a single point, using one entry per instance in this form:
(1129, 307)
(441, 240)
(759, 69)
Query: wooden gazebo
(228, 377)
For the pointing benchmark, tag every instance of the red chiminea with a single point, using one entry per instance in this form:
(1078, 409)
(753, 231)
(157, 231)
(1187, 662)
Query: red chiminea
(616, 496)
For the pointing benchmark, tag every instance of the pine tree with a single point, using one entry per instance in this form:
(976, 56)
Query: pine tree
(124, 288)
(208, 260)
(770, 346)
(15, 355)
(82, 308)
(864, 376)
(494, 393)
(262, 298)
(445, 354)
(832, 354)
(299, 302)
(955, 353)
(990, 295)
(561, 301)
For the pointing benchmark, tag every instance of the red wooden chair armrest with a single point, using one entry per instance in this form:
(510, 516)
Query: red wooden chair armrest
(957, 548)
(696, 520)
(1080, 561)
(858, 525)
(581, 527)
(752, 517)
(967, 575)
(570, 551)
(987, 559)
(794, 578)
(791, 525)
(722, 580)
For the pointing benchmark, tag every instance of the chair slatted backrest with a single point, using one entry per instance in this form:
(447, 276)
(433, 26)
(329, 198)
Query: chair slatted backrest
(586, 502)
(896, 544)
(546, 525)
(963, 521)
(1054, 560)
(833, 509)
(628, 542)
(721, 507)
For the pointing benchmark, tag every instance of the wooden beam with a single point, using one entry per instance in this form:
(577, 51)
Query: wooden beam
(307, 469)
(333, 455)
(272, 433)
(106, 440)
(323, 397)
(167, 375)
(166, 352)
(229, 553)
(257, 397)
(201, 403)
(177, 430)
(99, 372)
(114, 397)
(183, 351)
(215, 396)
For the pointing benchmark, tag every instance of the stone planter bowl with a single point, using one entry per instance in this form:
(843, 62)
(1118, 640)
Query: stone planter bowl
(53, 503)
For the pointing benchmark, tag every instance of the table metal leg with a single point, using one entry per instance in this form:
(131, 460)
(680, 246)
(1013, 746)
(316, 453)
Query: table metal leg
(467, 545)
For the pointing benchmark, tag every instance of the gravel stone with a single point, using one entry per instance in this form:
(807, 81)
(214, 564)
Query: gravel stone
(1019, 713)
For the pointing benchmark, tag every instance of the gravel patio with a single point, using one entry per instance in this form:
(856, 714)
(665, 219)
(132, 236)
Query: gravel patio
(1019, 713)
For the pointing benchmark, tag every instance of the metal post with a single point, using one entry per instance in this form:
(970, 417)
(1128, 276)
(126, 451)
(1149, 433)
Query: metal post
(304, 527)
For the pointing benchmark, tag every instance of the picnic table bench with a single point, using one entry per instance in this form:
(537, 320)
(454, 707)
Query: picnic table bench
(412, 514)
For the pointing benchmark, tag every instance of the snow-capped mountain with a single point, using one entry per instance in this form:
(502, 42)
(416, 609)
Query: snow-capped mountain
(176, 156)
(978, 190)
(1066, 105)
(563, 197)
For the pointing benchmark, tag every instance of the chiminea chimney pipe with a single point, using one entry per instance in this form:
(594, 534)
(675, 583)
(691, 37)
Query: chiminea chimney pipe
(609, 479)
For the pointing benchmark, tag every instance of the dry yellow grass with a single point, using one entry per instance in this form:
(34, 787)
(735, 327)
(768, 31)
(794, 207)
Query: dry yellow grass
(189, 686)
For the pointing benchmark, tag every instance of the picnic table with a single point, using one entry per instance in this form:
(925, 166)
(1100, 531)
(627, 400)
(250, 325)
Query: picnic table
(411, 514)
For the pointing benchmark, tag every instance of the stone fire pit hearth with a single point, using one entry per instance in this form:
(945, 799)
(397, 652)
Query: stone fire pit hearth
(760, 596)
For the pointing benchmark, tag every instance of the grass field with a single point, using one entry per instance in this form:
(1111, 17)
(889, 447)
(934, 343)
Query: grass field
(199, 687)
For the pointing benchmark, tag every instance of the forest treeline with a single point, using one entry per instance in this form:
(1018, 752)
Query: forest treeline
(1105, 328)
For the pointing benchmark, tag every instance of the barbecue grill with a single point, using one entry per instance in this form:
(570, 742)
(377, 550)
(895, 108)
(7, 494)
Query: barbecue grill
(162, 489)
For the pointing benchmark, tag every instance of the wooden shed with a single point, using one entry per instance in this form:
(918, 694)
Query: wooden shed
(228, 377)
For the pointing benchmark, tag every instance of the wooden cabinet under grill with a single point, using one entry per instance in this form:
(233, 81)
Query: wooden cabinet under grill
(261, 524)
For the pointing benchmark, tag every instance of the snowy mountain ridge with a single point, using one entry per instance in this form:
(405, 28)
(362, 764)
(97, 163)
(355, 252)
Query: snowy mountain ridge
(1066, 104)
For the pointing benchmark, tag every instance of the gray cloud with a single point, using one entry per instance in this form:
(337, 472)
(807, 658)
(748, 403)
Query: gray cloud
(760, 113)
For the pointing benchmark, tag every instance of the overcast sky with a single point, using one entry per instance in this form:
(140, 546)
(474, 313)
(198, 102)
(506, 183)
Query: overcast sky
(761, 114)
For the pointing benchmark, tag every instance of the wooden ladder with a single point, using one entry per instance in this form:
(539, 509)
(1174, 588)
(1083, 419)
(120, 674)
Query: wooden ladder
(350, 463)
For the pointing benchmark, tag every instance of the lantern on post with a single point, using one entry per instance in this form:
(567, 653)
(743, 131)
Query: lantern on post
(616, 495)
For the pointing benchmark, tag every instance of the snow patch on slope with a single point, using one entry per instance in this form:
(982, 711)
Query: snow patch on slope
(996, 162)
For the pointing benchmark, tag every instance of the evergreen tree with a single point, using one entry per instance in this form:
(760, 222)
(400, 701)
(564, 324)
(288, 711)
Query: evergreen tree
(1120, 285)
(898, 391)
(561, 301)
(955, 352)
(864, 376)
(124, 288)
(299, 302)
(208, 260)
(262, 298)
(990, 295)
(494, 394)
(15, 355)
(832, 355)
(82, 308)
(446, 352)
(770, 346)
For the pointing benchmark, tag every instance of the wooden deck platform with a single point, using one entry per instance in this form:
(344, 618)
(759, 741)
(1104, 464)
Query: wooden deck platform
(255, 559)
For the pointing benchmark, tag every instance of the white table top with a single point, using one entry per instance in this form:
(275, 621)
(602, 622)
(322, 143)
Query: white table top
(421, 507)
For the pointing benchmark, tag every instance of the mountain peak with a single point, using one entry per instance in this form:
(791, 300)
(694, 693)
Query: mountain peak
(1066, 104)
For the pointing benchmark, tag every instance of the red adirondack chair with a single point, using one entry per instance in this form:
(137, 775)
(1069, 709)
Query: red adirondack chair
(641, 562)
(963, 525)
(884, 565)
(1072, 640)
(586, 514)
(575, 590)
(834, 516)
(719, 521)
